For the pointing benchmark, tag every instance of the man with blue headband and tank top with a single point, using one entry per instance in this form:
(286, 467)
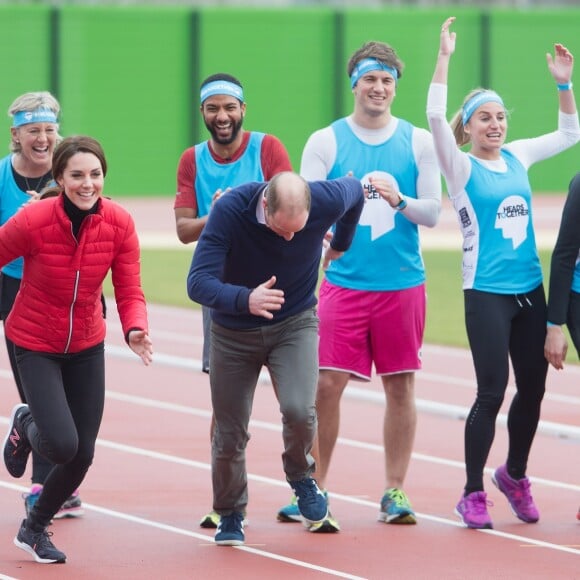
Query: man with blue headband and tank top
(230, 157)
(372, 302)
(505, 303)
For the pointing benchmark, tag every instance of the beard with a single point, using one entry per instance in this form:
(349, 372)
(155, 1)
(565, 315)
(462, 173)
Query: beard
(235, 131)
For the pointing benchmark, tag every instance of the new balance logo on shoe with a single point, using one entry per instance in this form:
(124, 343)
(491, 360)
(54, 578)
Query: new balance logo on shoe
(16, 446)
(14, 439)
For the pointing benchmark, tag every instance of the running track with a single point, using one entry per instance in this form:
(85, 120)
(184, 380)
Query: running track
(150, 482)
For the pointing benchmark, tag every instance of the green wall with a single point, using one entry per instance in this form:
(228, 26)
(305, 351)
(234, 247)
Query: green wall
(130, 75)
(25, 46)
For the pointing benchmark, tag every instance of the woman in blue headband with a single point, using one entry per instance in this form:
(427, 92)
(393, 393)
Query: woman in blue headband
(24, 173)
(505, 304)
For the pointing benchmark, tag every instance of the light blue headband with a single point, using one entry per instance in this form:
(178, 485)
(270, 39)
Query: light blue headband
(221, 88)
(40, 115)
(476, 101)
(368, 64)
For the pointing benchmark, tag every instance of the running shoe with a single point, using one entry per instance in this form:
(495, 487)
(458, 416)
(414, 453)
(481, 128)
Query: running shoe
(230, 530)
(311, 501)
(210, 520)
(328, 525)
(518, 494)
(472, 509)
(71, 508)
(290, 512)
(38, 545)
(396, 508)
(16, 445)
(31, 497)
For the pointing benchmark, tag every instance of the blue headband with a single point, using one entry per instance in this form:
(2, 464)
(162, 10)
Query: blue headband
(40, 115)
(221, 88)
(368, 64)
(476, 101)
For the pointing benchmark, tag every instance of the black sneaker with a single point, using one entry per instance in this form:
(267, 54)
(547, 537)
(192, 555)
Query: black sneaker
(312, 502)
(38, 545)
(16, 445)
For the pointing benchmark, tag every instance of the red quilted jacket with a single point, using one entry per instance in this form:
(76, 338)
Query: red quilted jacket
(58, 308)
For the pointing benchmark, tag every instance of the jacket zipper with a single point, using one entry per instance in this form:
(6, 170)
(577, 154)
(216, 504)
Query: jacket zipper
(74, 299)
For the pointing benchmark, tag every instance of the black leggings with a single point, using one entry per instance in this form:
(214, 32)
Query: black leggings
(499, 328)
(65, 394)
(9, 287)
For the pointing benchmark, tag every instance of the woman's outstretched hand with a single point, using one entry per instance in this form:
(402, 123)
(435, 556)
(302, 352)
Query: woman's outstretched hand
(447, 39)
(561, 64)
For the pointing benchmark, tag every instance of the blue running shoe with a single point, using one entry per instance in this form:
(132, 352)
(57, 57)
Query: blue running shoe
(230, 530)
(312, 502)
(290, 513)
(32, 497)
(395, 508)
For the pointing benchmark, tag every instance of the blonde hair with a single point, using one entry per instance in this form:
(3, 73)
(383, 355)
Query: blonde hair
(31, 102)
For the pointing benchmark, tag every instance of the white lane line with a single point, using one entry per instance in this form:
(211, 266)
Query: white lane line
(138, 451)
(560, 430)
(276, 428)
(198, 536)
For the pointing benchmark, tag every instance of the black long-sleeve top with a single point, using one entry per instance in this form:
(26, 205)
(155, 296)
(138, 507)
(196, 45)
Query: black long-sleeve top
(565, 265)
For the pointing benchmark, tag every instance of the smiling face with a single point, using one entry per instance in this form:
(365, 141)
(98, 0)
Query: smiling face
(223, 116)
(487, 129)
(82, 179)
(374, 93)
(36, 143)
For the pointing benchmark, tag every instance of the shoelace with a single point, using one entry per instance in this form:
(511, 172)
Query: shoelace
(522, 493)
(231, 523)
(42, 540)
(308, 494)
(399, 498)
(478, 504)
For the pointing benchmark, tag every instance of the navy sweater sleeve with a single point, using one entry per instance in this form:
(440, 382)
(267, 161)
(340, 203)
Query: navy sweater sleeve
(206, 281)
(353, 205)
(565, 255)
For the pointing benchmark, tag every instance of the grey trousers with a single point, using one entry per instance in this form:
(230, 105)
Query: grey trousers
(289, 349)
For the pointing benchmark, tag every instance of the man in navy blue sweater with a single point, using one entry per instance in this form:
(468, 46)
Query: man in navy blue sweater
(256, 266)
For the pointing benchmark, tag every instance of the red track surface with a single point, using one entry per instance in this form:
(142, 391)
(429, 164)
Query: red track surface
(150, 482)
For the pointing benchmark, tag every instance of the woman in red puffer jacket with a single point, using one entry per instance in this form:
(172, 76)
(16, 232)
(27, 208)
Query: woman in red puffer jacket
(69, 244)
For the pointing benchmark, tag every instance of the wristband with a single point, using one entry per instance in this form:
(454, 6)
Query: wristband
(565, 86)
(550, 324)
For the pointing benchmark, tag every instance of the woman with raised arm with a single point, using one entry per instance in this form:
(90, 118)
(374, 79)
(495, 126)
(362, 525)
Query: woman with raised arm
(505, 304)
